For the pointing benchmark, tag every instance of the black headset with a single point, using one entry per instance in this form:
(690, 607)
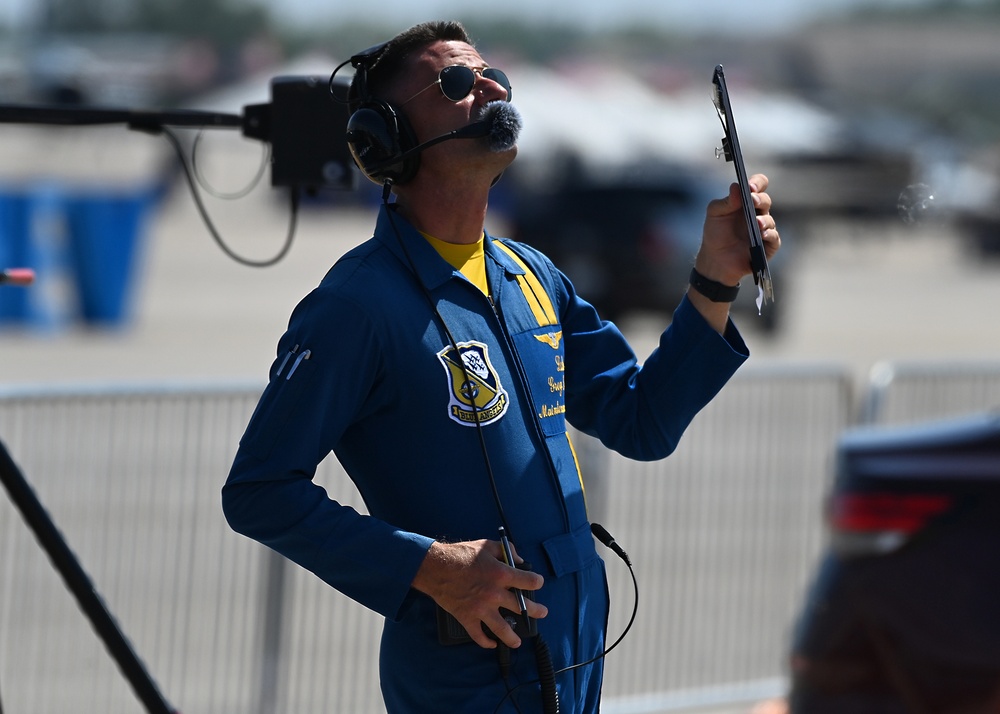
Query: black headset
(379, 134)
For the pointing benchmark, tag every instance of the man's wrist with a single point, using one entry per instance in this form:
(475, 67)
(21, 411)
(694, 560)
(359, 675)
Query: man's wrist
(713, 290)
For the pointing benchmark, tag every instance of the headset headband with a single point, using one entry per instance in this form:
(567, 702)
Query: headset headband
(364, 61)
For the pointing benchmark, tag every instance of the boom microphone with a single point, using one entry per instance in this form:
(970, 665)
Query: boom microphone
(504, 122)
(498, 120)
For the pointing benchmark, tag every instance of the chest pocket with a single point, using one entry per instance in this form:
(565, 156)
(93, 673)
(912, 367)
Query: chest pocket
(541, 351)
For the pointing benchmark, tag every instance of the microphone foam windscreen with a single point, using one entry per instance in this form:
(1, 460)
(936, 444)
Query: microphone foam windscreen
(504, 122)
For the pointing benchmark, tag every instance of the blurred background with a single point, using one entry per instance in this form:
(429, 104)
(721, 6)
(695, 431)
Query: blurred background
(878, 124)
(871, 119)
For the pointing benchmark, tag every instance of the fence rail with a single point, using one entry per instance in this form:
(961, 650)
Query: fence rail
(723, 536)
(906, 392)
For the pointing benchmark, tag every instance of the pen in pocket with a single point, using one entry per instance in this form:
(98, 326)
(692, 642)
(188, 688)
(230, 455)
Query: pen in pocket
(294, 352)
(305, 354)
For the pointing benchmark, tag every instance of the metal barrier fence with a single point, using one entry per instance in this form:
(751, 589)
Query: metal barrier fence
(906, 392)
(723, 536)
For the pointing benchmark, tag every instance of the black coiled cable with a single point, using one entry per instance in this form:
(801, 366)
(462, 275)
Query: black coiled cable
(546, 677)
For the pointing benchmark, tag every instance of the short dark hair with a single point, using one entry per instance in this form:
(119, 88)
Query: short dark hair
(390, 63)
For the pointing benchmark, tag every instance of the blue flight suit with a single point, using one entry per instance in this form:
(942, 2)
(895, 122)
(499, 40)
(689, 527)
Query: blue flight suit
(368, 370)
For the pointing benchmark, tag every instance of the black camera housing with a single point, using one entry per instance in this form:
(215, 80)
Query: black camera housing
(306, 125)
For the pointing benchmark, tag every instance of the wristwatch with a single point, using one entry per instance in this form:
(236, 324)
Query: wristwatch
(714, 291)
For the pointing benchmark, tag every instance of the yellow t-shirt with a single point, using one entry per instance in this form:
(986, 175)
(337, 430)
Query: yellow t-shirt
(467, 258)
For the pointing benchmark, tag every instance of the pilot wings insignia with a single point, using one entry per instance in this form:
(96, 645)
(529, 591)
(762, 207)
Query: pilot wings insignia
(552, 339)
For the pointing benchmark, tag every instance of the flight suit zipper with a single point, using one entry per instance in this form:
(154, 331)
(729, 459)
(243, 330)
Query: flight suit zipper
(522, 379)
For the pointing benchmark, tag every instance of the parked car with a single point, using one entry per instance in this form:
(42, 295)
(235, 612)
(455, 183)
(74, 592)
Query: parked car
(904, 612)
(627, 239)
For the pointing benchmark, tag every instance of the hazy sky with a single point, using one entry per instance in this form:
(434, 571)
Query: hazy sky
(761, 16)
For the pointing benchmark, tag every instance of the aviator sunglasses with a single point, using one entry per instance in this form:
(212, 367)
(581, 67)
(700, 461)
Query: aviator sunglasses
(458, 80)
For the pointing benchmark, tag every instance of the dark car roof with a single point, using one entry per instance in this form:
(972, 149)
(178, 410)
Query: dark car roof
(966, 447)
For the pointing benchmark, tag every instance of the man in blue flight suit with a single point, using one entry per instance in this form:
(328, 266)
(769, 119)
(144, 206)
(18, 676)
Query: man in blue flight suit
(442, 365)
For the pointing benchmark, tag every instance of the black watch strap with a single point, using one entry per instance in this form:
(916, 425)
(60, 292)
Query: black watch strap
(714, 291)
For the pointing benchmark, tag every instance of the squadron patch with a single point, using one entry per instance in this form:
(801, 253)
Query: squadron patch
(475, 392)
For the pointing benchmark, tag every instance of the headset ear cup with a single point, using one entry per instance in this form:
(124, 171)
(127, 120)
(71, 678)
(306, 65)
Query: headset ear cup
(377, 136)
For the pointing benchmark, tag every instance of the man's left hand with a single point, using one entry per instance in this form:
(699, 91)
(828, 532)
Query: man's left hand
(724, 255)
